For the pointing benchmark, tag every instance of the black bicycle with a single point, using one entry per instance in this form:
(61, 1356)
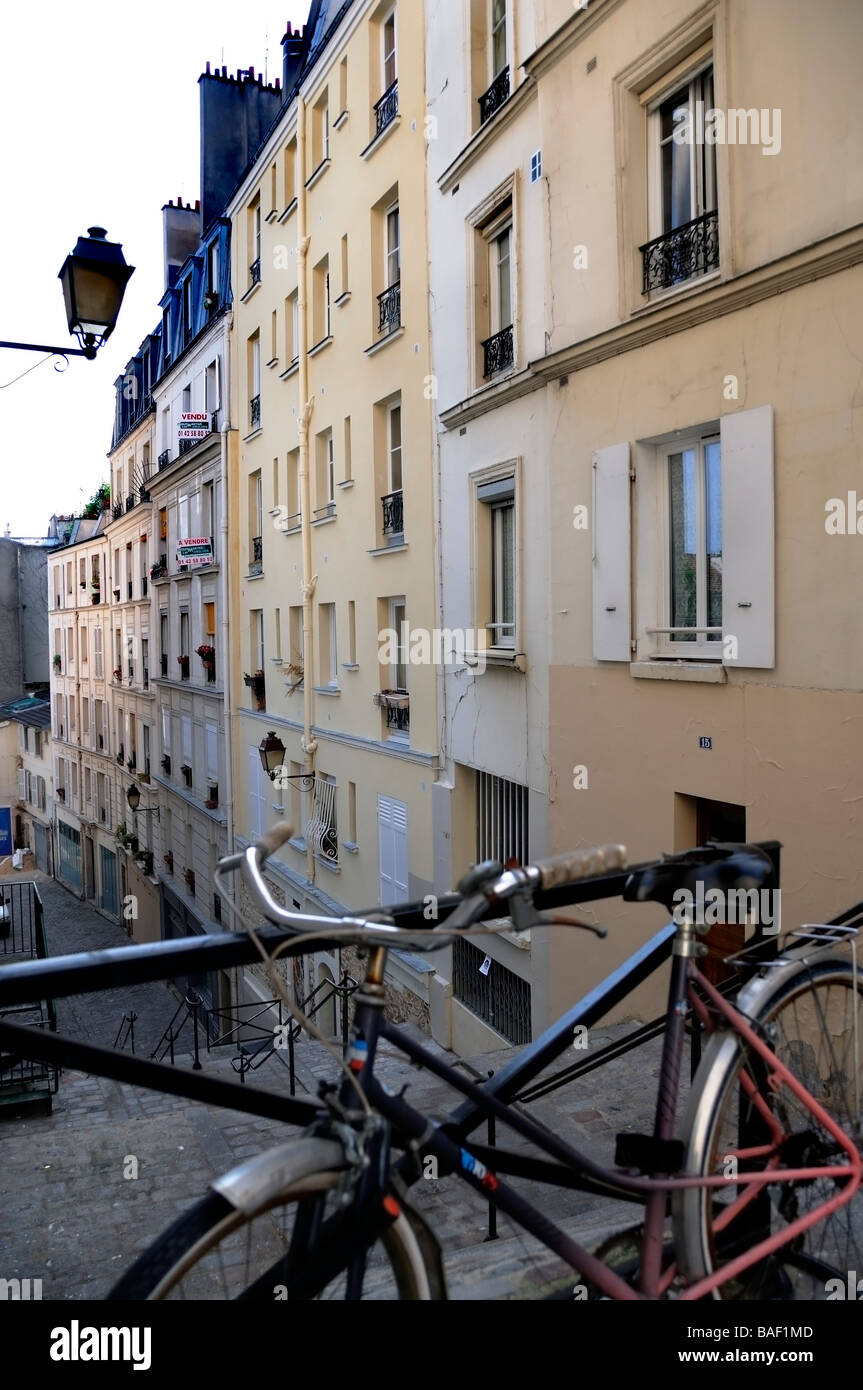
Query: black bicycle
(759, 1197)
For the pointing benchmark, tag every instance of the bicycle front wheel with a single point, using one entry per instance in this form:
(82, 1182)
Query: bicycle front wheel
(237, 1243)
(743, 1117)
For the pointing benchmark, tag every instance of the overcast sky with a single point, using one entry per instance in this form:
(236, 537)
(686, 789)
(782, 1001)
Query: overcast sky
(100, 125)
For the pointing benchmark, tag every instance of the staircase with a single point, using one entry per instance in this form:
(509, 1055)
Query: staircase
(22, 937)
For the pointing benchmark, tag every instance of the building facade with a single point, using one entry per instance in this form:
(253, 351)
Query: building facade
(333, 538)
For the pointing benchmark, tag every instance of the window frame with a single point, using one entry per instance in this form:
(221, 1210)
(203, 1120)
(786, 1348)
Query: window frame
(500, 483)
(667, 645)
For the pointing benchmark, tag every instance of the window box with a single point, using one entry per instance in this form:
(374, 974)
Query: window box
(169, 862)
(183, 663)
(187, 774)
(189, 876)
(258, 686)
(166, 764)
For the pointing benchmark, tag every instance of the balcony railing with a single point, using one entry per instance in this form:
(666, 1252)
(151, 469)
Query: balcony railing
(186, 445)
(255, 412)
(257, 561)
(398, 718)
(329, 509)
(163, 664)
(390, 308)
(164, 459)
(117, 511)
(681, 254)
(131, 501)
(144, 586)
(255, 272)
(393, 513)
(145, 680)
(387, 108)
(493, 99)
(129, 588)
(497, 352)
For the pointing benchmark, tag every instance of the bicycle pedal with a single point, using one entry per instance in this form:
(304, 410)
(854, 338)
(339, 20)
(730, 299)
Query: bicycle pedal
(646, 1154)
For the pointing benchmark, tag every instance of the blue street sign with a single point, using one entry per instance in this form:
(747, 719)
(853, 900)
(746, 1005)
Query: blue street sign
(5, 830)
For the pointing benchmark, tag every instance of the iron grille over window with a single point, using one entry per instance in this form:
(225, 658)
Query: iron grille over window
(393, 513)
(493, 99)
(502, 827)
(321, 830)
(390, 308)
(497, 996)
(257, 555)
(164, 459)
(255, 272)
(255, 412)
(497, 352)
(387, 108)
(681, 254)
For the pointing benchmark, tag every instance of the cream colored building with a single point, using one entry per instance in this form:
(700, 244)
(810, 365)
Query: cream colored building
(694, 412)
(334, 497)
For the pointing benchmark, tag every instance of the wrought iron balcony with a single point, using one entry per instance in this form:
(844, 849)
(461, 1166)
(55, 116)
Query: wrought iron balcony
(129, 589)
(186, 445)
(387, 108)
(163, 664)
(393, 513)
(390, 308)
(144, 496)
(493, 99)
(130, 501)
(164, 459)
(144, 586)
(255, 412)
(256, 563)
(117, 511)
(255, 272)
(681, 254)
(398, 717)
(497, 352)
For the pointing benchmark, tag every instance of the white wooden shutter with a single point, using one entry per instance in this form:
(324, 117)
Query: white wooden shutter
(611, 552)
(747, 535)
(257, 802)
(212, 752)
(393, 850)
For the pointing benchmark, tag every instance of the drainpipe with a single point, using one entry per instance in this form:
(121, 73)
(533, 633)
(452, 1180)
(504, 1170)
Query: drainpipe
(224, 584)
(309, 582)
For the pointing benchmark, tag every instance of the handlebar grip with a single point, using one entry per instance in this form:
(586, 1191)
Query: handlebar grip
(580, 863)
(270, 842)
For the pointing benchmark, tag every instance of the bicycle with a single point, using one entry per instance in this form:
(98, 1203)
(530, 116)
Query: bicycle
(762, 1192)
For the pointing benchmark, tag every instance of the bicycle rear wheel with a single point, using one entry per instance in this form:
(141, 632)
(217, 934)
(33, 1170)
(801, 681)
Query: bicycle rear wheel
(237, 1243)
(811, 1015)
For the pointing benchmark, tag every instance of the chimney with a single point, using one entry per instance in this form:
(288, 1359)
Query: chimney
(181, 231)
(292, 57)
(235, 117)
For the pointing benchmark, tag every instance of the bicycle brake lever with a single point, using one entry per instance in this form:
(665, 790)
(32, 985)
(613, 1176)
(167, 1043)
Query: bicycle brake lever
(575, 922)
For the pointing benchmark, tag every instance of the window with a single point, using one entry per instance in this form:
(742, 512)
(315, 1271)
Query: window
(394, 447)
(256, 639)
(702, 508)
(497, 46)
(209, 619)
(208, 508)
(254, 240)
(501, 819)
(292, 328)
(212, 743)
(343, 86)
(495, 302)
(166, 732)
(254, 369)
(536, 166)
(321, 301)
(329, 656)
(256, 523)
(392, 851)
(322, 830)
(211, 387)
(213, 268)
(293, 490)
(345, 287)
(393, 248)
(187, 311)
(274, 338)
(320, 132)
(388, 36)
(145, 748)
(185, 645)
(684, 227)
(273, 190)
(326, 475)
(399, 625)
(496, 995)
(290, 173)
(352, 632)
(347, 434)
(497, 545)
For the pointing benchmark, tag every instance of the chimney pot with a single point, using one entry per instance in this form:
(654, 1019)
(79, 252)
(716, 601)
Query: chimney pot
(251, 74)
(208, 69)
(224, 72)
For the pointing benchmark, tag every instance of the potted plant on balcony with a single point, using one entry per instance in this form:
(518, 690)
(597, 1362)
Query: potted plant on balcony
(145, 860)
(189, 876)
(169, 861)
(166, 762)
(118, 675)
(207, 655)
(258, 685)
(58, 662)
(158, 571)
(392, 699)
(183, 663)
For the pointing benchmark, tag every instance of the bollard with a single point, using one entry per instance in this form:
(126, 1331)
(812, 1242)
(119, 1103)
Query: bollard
(492, 1206)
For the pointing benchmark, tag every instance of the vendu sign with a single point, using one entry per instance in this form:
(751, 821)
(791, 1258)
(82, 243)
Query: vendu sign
(196, 550)
(194, 424)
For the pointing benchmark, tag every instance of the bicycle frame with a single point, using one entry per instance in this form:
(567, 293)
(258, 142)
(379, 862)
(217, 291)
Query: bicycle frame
(64, 976)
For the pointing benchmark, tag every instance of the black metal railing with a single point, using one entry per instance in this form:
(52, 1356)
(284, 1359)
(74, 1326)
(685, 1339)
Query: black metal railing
(681, 254)
(186, 445)
(131, 501)
(387, 108)
(126, 1032)
(255, 412)
(328, 509)
(163, 664)
(393, 513)
(497, 352)
(390, 308)
(164, 459)
(129, 588)
(145, 679)
(256, 563)
(494, 97)
(255, 272)
(144, 495)
(117, 511)
(144, 584)
(189, 1008)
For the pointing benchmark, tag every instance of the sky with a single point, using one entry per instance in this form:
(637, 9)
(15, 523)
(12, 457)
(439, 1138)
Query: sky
(100, 127)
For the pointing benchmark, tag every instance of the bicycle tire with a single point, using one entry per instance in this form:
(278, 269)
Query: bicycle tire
(297, 1173)
(703, 1244)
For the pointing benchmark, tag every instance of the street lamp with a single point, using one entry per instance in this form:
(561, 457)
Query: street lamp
(272, 752)
(94, 278)
(133, 796)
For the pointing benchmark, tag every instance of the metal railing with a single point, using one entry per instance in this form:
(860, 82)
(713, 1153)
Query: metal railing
(164, 459)
(681, 254)
(392, 506)
(117, 511)
(387, 107)
(256, 563)
(255, 412)
(126, 1032)
(497, 352)
(398, 717)
(22, 937)
(131, 501)
(390, 308)
(188, 1008)
(255, 272)
(496, 995)
(494, 97)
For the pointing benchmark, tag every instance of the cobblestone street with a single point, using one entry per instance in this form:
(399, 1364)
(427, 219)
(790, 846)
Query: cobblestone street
(70, 1218)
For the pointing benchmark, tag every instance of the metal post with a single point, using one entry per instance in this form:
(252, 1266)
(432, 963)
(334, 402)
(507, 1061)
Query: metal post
(344, 989)
(492, 1206)
(194, 1001)
(291, 1055)
(132, 1017)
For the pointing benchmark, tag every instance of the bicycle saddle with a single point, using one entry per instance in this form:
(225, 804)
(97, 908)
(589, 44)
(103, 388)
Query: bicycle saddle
(722, 866)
